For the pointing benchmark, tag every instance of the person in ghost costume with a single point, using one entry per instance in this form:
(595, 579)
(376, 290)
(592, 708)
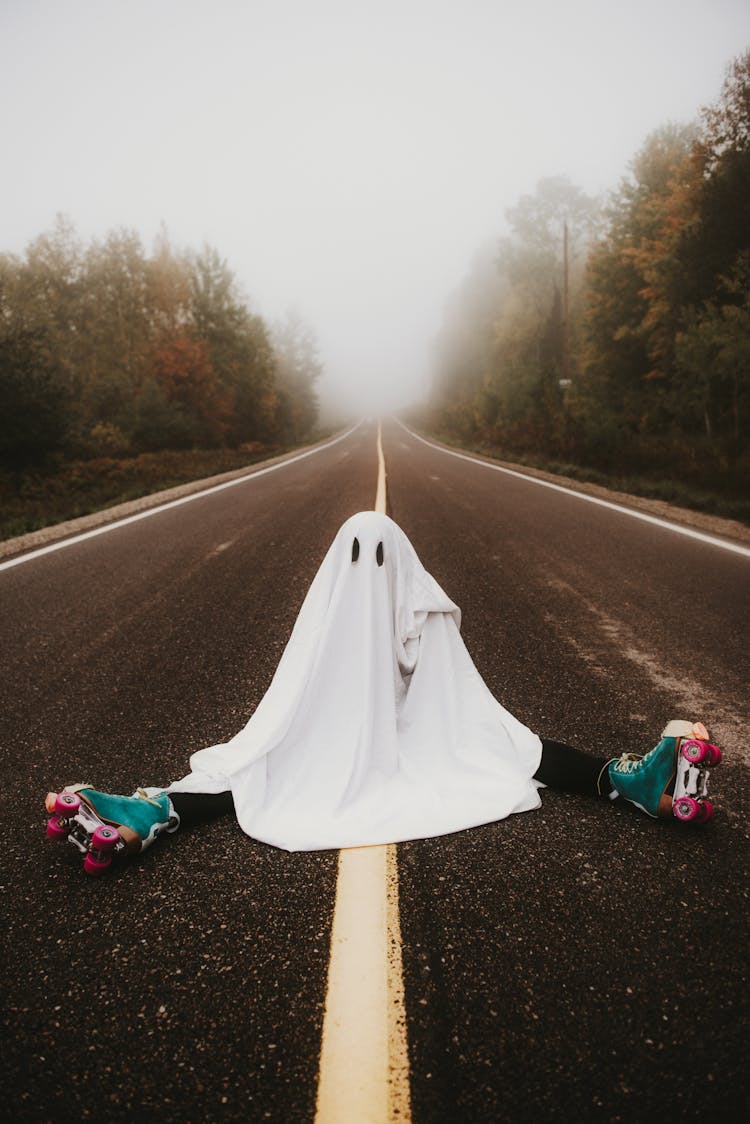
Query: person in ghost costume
(376, 728)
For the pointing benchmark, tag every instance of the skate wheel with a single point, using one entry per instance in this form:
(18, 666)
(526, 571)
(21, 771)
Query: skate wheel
(707, 810)
(715, 754)
(695, 751)
(95, 865)
(55, 830)
(67, 803)
(105, 838)
(686, 808)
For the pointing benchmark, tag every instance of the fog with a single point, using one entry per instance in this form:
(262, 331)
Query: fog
(346, 158)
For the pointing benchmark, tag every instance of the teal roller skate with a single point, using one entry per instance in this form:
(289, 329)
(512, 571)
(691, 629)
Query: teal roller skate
(103, 826)
(671, 780)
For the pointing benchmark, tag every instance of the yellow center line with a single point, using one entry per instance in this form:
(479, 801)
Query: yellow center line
(364, 1058)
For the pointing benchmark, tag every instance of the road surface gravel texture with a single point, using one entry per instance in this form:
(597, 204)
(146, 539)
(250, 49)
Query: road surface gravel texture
(581, 962)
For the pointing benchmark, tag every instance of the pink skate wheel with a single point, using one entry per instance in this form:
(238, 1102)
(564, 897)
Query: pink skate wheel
(686, 808)
(715, 753)
(67, 803)
(695, 751)
(94, 865)
(707, 810)
(54, 831)
(105, 838)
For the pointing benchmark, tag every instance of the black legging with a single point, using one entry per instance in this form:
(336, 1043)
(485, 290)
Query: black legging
(570, 770)
(562, 767)
(197, 807)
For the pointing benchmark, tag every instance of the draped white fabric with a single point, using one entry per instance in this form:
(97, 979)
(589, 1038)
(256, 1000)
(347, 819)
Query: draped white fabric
(377, 726)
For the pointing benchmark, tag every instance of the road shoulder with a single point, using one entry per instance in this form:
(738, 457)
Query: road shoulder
(55, 532)
(699, 520)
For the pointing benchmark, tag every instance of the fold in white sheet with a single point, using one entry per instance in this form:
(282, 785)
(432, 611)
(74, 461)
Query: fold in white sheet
(377, 726)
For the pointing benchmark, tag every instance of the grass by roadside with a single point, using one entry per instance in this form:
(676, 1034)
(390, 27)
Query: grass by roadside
(36, 499)
(732, 502)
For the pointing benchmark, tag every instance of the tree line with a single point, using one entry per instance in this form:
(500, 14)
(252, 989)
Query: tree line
(108, 351)
(616, 333)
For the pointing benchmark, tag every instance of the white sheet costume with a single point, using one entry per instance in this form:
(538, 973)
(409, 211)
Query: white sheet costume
(377, 727)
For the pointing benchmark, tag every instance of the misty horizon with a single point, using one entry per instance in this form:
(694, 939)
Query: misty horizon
(347, 161)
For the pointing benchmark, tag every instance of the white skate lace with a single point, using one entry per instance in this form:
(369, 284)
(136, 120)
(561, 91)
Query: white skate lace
(629, 762)
(141, 792)
(626, 763)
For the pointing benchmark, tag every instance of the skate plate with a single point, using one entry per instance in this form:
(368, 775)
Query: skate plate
(693, 758)
(74, 821)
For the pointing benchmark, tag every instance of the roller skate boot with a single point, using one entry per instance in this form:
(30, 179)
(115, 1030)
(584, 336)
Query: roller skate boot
(672, 779)
(103, 826)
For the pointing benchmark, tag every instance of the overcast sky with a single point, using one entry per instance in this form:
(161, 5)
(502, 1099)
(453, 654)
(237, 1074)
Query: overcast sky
(347, 157)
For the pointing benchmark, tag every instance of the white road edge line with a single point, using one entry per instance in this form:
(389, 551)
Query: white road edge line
(735, 548)
(364, 1056)
(172, 503)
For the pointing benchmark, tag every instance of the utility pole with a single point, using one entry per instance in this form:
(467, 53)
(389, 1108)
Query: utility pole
(565, 336)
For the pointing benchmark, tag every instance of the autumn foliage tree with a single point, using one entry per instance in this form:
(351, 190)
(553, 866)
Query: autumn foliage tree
(630, 318)
(658, 320)
(107, 350)
(504, 346)
(203, 407)
(35, 395)
(668, 290)
(299, 368)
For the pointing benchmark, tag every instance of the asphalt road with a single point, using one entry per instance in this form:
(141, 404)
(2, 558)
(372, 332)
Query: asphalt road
(579, 962)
